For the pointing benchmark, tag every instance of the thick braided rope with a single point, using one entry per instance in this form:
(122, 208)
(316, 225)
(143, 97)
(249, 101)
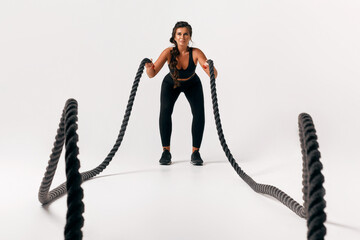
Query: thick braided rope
(44, 195)
(313, 191)
(313, 179)
(74, 218)
(260, 188)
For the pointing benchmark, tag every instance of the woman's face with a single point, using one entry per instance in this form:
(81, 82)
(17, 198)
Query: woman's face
(182, 36)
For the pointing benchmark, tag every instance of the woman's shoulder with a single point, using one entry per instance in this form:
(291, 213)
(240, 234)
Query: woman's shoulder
(197, 53)
(196, 50)
(165, 55)
(168, 49)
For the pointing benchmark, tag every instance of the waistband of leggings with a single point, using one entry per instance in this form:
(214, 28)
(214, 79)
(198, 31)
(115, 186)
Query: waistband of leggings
(185, 79)
(194, 79)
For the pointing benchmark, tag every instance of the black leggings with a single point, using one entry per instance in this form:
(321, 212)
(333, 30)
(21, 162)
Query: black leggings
(193, 91)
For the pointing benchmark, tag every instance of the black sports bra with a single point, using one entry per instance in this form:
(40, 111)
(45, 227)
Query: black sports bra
(189, 71)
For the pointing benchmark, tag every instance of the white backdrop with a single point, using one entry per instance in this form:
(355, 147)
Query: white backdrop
(275, 60)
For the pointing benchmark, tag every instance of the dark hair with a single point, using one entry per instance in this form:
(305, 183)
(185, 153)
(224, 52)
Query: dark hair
(175, 51)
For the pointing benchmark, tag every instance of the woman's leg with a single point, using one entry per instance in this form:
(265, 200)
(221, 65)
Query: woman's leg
(168, 98)
(195, 96)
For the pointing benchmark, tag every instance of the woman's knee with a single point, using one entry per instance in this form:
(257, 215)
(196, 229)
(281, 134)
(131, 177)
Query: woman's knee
(166, 109)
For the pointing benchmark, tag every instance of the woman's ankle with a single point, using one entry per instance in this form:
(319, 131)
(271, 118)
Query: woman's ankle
(194, 149)
(166, 148)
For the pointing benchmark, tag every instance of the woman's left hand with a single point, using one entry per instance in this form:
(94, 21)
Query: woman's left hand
(205, 66)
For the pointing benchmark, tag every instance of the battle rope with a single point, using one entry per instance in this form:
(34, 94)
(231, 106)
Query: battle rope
(67, 132)
(313, 191)
(44, 195)
(74, 218)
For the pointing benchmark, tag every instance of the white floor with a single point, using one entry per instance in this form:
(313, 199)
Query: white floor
(135, 198)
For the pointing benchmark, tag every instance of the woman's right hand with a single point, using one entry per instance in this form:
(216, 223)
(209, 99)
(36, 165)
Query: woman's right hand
(150, 65)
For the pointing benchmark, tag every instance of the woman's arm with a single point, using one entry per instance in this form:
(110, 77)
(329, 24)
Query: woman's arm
(153, 68)
(201, 58)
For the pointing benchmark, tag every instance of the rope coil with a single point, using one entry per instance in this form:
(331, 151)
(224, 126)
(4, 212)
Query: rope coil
(313, 191)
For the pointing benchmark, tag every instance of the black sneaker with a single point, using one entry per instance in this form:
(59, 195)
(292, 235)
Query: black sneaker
(165, 158)
(196, 158)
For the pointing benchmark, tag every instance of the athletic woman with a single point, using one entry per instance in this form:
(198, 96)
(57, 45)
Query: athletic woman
(182, 61)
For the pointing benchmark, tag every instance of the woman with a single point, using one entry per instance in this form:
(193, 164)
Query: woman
(182, 61)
